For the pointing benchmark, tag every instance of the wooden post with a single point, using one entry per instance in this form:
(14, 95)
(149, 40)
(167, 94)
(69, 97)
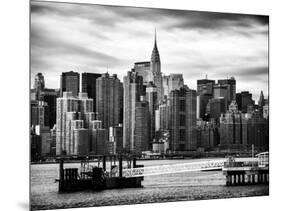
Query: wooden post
(120, 166)
(61, 175)
(104, 163)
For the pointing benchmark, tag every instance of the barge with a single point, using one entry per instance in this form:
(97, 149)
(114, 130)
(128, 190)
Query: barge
(97, 177)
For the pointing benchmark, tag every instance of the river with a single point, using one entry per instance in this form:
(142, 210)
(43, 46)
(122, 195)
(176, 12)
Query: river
(161, 188)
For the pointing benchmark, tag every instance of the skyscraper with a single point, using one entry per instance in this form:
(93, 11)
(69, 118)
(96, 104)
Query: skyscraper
(70, 82)
(72, 129)
(151, 98)
(108, 100)
(172, 82)
(183, 119)
(231, 88)
(244, 99)
(133, 90)
(143, 69)
(156, 71)
(89, 86)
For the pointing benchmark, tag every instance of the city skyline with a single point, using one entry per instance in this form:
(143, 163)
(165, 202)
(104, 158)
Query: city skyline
(64, 38)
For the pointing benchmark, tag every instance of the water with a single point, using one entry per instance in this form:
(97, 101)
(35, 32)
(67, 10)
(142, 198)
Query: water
(160, 188)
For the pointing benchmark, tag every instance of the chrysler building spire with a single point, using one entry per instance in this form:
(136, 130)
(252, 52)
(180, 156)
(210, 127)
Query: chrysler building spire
(155, 57)
(155, 65)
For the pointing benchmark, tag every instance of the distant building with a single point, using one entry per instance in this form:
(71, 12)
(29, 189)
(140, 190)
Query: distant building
(172, 82)
(48, 96)
(203, 101)
(217, 107)
(231, 130)
(133, 90)
(244, 99)
(151, 98)
(39, 113)
(221, 91)
(99, 138)
(89, 86)
(265, 111)
(70, 82)
(142, 127)
(155, 65)
(116, 135)
(231, 88)
(143, 69)
(206, 135)
(183, 120)
(205, 86)
(108, 99)
(164, 116)
(72, 126)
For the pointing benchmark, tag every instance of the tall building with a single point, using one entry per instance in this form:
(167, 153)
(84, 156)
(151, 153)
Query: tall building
(70, 82)
(183, 120)
(221, 91)
(143, 69)
(39, 113)
(89, 86)
(72, 128)
(151, 98)
(244, 99)
(261, 102)
(48, 96)
(108, 99)
(231, 88)
(156, 71)
(133, 90)
(39, 84)
(142, 127)
(231, 130)
(99, 138)
(205, 93)
(172, 82)
(205, 86)
(217, 107)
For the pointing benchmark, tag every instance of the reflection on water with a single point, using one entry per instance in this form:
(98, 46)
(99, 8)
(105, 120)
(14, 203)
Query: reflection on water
(161, 188)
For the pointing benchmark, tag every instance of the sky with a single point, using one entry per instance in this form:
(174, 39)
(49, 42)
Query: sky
(99, 39)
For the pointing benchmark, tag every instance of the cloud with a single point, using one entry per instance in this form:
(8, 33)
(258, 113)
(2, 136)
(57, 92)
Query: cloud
(86, 37)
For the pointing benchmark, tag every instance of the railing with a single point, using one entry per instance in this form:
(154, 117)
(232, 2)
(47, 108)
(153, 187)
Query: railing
(173, 168)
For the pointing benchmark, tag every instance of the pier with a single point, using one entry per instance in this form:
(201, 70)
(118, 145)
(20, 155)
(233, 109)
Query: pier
(247, 173)
(96, 177)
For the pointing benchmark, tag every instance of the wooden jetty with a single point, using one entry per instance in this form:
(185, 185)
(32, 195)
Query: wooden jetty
(95, 178)
(247, 173)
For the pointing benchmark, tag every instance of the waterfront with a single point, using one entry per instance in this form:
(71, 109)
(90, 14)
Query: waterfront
(161, 188)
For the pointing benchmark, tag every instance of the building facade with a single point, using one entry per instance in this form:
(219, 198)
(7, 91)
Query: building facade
(108, 100)
(70, 82)
(183, 120)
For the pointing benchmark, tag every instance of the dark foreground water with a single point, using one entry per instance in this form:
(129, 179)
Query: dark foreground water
(161, 188)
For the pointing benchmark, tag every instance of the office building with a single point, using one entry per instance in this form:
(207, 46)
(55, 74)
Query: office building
(205, 86)
(217, 107)
(70, 82)
(72, 131)
(172, 82)
(183, 119)
(231, 88)
(143, 69)
(151, 98)
(142, 128)
(108, 99)
(244, 99)
(89, 86)
(133, 90)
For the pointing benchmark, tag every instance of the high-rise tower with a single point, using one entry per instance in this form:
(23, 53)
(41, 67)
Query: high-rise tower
(156, 70)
